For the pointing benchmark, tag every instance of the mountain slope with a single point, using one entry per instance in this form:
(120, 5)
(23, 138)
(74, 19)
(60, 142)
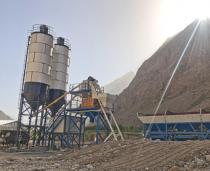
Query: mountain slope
(118, 85)
(3, 116)
(190, 88)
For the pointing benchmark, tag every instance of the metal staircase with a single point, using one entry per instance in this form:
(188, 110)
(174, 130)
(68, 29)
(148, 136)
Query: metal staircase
(55, 122)
(59, 116)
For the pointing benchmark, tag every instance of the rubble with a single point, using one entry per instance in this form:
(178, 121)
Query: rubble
(127, 155)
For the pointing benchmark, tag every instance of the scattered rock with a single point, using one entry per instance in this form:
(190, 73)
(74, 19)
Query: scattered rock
(39, 169)
(56, 165)
(199, 162)
(103, 157)
(181, 163)
(83, 169)
(11, 159)
(186, 166)
(174, 168)
(192, 164)
(207, 158)
(90, 167)
(84, 146)
(75, 166)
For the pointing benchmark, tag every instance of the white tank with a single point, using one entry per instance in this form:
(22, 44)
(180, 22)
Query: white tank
(39, 56)
(59, 74)
(60, 64)
(37, 74)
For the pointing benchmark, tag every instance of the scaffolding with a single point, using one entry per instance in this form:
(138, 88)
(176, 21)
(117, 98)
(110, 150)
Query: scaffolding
(75, 113)
(66, 129)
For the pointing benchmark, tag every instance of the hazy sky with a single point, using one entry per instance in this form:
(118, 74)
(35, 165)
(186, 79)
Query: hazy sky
(108, 37)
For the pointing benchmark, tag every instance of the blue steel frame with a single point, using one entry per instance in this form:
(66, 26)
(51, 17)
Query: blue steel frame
(178, 131)
(73, 134)
(101, 125)
(33, 127)
(74, 123)
(96, 116)
(74, 127)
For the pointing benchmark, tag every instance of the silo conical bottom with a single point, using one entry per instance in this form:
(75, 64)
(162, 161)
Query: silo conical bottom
(53, 95)
(35, 94)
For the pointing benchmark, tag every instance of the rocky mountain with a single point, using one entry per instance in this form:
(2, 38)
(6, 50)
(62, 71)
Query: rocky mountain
(118, 85)
(3, 116)
(190, 88)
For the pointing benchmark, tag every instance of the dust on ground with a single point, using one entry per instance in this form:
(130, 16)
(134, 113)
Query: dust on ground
(127, 155)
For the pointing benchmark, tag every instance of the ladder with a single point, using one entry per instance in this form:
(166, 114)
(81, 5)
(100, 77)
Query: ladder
(24, 72)
(117, 135)
(54, 123)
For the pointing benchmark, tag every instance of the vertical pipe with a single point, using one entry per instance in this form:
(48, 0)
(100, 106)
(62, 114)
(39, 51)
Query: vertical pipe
(40, 127)
(69, 139)
(144, 130)
(25, 64)
(201, 124)
(29, 127)
(53, 141)
(35, 129)
(49, 141)
(80, 130)
(166, 126)
(64, 126)
(44, 140)
(19, 121)
(97, 129)
(83, 139)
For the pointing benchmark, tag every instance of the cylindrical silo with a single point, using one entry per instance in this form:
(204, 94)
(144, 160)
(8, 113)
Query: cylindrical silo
(59, 73)
(37, 76)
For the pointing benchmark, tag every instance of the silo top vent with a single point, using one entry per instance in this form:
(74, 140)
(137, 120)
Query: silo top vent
(60, 41)
(43, 29)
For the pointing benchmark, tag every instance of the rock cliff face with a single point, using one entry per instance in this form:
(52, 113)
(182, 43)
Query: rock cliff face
(190, 88)
(118, 85)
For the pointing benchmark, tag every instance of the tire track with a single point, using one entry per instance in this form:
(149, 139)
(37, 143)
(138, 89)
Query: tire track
(153, 151)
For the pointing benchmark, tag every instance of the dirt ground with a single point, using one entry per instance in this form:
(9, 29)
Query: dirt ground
(127, 155)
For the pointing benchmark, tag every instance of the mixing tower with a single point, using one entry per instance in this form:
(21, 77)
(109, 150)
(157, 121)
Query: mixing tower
(87, 100)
